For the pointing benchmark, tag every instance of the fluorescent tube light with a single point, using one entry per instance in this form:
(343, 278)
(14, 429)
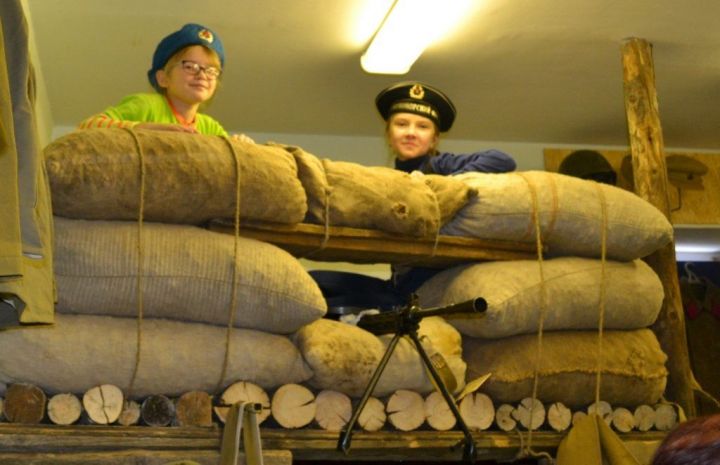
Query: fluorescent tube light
(409, 27)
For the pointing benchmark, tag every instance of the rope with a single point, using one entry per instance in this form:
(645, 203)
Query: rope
(527, 449)
(233, 291)
(707, 395)
(140, 257)
(603, 287)
(527, 452)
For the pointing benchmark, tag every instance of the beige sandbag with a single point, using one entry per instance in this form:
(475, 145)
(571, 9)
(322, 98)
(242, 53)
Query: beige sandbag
(187, 275)
(189, 178)
(570, 214)
(376, 197)
(81, 351)
(633, 295)
(343, 357)
(633, 367)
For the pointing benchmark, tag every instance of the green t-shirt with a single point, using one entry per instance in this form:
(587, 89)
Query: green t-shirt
(154, 108)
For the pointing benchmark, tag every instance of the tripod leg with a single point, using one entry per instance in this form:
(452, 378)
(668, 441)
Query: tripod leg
(346, 433)
(469, 452)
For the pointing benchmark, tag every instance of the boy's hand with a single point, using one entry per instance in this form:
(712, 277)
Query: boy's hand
(242, 138)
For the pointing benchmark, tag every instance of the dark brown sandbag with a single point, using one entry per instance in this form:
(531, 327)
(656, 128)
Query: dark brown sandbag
(376, 197)
(187, 275)
(189, 178)
(633, 367)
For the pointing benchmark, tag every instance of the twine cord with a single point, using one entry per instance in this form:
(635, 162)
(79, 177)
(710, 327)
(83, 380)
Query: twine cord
(235, 271)
(603, 287)
(140, 256)
(527, 449)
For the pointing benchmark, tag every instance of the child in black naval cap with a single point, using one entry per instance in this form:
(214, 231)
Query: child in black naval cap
(415, 115)
(186, 67)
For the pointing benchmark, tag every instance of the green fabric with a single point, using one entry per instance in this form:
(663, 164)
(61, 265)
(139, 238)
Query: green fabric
(154, 108)
(592, 442)
(27, 292)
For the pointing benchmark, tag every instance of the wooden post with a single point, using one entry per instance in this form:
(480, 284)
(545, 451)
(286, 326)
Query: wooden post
(651, 183)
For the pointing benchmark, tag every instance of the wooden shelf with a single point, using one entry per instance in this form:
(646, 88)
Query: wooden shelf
(365, 246)
(90, 444)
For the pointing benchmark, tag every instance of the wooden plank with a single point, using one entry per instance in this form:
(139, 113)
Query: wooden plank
(134, 457)
(366, 246)
(95, 442)
(651, 183)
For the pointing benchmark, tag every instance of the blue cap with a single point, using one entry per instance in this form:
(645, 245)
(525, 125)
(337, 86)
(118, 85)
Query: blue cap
(190, 34)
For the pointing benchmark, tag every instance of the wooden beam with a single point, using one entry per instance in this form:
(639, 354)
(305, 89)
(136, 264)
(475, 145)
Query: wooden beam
(96, 445)
(366, 246)
(651, 183)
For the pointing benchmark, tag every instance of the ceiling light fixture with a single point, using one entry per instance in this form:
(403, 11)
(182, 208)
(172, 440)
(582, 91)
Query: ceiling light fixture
(408, 28)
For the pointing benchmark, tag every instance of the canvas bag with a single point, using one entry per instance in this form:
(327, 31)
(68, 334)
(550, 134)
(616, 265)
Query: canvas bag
(633, 367)
(189, 178)
(187, 275)
(570, 211)
(376, 197)
(176, 357)
(343, 357)
(513, 292)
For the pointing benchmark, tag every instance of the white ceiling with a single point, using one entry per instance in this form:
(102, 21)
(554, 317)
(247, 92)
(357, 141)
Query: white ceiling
(546, 71)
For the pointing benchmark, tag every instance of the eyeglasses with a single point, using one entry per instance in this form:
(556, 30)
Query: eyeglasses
(190, 67)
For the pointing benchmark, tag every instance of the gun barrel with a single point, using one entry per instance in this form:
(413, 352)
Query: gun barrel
(477, 305)
(385, 323)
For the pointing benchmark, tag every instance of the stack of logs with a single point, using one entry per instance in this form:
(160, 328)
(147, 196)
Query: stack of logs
(295, 406)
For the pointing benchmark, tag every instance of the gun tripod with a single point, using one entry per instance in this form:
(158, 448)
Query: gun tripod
(405, 322)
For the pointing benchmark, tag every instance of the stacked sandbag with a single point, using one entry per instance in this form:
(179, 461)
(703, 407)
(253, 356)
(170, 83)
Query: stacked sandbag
(81, 351)
(504, 340)
(513, 292)
(188, 178)
(187, 274)
(570, 213)
(197, 303)
(379, 198)
(632, 367)
(343, 357)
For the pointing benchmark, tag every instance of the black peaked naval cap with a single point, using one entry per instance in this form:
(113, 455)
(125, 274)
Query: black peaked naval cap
(421, 99)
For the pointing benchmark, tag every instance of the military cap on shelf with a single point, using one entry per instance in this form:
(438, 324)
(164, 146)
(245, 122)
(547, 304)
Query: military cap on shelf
(189, 34)
(588, 164)
(418, 98)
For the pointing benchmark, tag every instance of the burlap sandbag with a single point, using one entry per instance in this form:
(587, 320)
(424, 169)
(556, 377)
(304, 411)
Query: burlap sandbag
(189, 178)
(570, 215)
(376, 197)
(187, 275)
(633, 367)
(343, 357)
(633, 295)
(82, 351)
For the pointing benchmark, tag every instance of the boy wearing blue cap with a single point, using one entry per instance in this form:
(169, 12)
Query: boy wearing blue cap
(185, 70)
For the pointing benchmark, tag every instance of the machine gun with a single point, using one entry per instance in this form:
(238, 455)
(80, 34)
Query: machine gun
(405, 321)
